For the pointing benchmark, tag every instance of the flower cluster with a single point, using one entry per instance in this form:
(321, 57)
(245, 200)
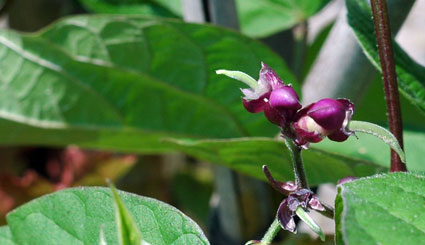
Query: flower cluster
(281, 106)
(311, 124)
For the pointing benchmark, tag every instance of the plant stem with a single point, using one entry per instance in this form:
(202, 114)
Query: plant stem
(297, 161)
(271, 233)
(300, 177)
(300, 180)
(386, 56)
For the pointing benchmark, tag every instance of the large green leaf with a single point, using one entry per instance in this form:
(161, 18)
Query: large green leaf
(75, 216)
(142, 7)
(247, 155)
(260, 18)
(116, 82)
(6, 236)
(384, 209)
(411, 75)
(370, 148)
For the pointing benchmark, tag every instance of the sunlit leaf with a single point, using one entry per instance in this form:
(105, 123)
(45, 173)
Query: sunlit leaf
(6, 236)
(75, 216)
(260, 18)
(384, 209)
(141, 7)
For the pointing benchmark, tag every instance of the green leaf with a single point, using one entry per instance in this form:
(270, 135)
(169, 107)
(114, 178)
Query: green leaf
(143, 7)
(75, 216)
(128, 232)
(149, 88)
(411, 75)
(115, 82)
(310, 222)
(379, 132)
(260, 18)
(6, 236)
(384, 209)
(247, 155)
(370, 148)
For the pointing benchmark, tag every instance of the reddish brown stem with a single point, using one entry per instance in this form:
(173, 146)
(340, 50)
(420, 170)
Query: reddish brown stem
(386, 56)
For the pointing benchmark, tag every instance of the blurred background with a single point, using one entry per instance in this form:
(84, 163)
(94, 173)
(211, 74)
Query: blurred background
(319, 48)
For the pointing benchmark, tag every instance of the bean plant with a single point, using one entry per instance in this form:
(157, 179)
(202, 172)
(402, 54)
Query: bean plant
(134, 77)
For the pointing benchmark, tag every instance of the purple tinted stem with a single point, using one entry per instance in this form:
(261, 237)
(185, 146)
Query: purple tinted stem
(386, 56)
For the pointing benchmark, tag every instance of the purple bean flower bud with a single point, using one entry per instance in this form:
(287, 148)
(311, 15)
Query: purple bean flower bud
(327, 117)
(279, 102)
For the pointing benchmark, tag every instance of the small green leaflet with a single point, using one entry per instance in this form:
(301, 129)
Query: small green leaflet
(310, 222)
(128, 233)
(382, 209)
(379, 132)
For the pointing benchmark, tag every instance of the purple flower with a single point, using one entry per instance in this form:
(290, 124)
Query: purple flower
(296, 197)
(279, 102)
(303, 198)
(327, 117)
